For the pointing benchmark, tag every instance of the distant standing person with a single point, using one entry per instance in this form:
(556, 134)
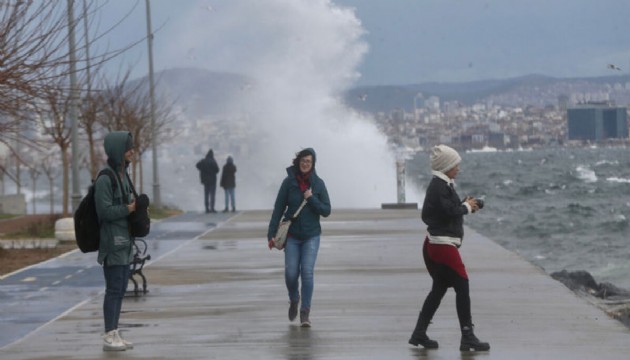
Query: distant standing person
(443, 212)
(228, 182)
(208, 169)
(114, 203)
(302, 245)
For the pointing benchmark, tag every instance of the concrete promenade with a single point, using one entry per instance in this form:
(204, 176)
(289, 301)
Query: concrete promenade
(221, 295)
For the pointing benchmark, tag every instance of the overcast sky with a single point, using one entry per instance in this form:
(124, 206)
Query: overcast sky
(396, 41)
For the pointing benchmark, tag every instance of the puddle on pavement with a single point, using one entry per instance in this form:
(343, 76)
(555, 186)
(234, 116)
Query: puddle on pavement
(187, 226)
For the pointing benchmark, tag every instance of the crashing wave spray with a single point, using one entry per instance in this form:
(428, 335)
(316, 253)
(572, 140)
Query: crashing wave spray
(302, 55)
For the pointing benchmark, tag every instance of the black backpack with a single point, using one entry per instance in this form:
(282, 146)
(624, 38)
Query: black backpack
(139, 220)
(86, 225)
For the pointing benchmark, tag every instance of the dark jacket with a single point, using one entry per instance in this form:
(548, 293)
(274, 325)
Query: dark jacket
(228, 175)
(208, 169)
(443, 211)
(289, 199)
(116, 242)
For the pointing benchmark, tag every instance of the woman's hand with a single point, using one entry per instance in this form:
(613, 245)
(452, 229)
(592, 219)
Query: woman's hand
(473, 203)
(308, 193)
(132, 207)
(270, 244)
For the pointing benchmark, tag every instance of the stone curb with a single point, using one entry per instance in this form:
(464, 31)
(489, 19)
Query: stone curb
(28, 243)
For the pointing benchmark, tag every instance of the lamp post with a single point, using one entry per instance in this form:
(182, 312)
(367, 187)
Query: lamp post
(72, 113)
(401, 173)
(157, 203)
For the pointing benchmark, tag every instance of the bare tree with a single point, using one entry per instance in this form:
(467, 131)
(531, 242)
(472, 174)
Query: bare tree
(34, 56)
(139, 122)
(126, 106)
(32, 48)
(34, 175)
(52, 118)
(90, 99)
(50, 168)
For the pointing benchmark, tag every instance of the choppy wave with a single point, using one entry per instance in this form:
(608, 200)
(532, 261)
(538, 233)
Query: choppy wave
(618, 180)
(586, 174)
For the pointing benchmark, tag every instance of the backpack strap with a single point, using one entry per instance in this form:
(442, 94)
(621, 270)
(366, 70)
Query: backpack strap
(114, 179)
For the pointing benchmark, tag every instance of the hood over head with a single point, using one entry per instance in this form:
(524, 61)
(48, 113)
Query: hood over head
(312, 152)
(302, 153)
(116, 144)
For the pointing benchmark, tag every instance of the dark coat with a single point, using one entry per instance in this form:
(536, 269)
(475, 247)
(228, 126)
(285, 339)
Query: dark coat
(228, 175)
(208, 169)
(289, 199)
(443, 211)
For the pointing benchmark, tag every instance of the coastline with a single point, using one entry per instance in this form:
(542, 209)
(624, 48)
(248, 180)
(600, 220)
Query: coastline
(614, 301)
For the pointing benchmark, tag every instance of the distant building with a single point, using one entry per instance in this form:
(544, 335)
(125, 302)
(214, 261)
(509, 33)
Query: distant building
(563, 102)
(432, 103)
(596, 122)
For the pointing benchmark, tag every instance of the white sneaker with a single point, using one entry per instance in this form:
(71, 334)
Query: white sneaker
(113, 342)
(128, 344)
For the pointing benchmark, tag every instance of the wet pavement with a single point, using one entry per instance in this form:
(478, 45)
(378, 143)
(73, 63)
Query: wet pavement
(38, 294)
(217, 292)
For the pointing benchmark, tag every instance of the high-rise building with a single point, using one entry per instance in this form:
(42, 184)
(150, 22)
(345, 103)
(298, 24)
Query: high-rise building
(597, 121)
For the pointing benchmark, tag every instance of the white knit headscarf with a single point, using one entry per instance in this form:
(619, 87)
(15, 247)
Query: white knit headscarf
(444, 158)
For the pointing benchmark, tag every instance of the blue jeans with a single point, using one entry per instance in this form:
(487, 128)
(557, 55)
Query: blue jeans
(229, 195)
(299, 261)
(116, 280)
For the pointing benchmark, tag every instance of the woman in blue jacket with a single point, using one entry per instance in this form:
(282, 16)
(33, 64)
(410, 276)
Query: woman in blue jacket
(302, 245)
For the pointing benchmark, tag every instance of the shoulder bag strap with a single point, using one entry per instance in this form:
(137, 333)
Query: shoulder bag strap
(298, 210)
(133, 189)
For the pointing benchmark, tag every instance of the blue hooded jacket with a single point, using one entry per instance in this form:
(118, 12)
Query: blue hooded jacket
(289, 199)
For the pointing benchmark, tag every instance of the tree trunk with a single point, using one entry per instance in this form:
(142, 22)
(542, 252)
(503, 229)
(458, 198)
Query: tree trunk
(52, 196)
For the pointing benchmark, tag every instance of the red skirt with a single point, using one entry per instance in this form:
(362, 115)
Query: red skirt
(443, 254)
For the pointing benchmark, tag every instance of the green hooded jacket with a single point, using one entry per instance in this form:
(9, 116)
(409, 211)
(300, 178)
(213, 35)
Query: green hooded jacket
(116, 242)
(289, 199)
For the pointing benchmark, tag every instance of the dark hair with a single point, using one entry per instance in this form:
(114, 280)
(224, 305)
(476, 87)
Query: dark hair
(299, 155)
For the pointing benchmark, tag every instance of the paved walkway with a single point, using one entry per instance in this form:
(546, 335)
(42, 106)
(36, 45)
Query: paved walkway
(221, 295)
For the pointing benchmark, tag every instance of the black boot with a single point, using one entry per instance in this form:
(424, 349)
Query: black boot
(470, 342)
(419, 336)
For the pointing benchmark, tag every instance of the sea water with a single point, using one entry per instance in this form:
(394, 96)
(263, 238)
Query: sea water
(560, 208)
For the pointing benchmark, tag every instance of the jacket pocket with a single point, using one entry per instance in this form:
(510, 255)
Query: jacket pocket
(120, 241)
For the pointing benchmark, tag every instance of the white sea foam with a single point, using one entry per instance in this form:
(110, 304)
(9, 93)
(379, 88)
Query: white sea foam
(585, 174)
(620, 218)
(618, 180)
(607, 162)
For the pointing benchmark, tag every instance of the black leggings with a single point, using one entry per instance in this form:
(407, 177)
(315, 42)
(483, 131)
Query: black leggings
(443, 278)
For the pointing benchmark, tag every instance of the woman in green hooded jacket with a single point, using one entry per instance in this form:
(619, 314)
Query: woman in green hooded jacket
(302, 244)
(114, 203)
